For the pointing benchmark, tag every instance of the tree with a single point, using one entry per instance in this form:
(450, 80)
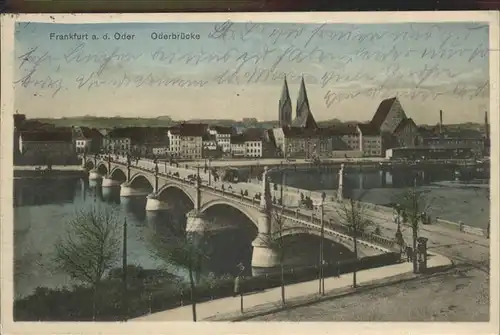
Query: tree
(90, 248)
(277, 243)
(184, 249)
(414, 206)
(352, 214)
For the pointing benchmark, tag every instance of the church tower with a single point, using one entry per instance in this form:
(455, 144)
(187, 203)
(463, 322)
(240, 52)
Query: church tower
(285, 107)
(303, 115)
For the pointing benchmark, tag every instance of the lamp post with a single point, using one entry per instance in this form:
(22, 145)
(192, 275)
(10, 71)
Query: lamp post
(156, 174)
(399, 234)
(321, 246)
(109, 162)
(237, 285)
(209, 172)
(283, 176)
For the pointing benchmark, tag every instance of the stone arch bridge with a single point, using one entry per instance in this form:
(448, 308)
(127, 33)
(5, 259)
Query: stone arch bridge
(272, 221)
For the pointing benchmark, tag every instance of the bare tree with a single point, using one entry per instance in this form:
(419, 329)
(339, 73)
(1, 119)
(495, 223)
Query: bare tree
(90, 248)
(277, 243)
(352, 214)
(184, 249)
(414, 206)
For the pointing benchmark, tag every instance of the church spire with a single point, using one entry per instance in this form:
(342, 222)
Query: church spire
(285, 106)
(302, 100)
(304, 117)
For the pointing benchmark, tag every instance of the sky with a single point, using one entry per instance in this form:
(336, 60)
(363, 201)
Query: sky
(229, 70)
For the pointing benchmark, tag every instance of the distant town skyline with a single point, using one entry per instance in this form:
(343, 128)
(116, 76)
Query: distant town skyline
(236, 70)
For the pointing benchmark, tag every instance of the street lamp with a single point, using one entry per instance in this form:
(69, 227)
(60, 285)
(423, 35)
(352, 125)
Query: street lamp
(321, 246)
(397, 220)
(209, 172)
(283, 176)
(109, 162)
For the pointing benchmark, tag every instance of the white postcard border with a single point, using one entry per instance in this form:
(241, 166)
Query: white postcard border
(6, 179)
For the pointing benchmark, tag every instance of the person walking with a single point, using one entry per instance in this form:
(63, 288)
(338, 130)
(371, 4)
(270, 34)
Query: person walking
(237, 279)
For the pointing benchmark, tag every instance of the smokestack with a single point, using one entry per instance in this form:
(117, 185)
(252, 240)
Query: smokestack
(486, 125)
(440, 122)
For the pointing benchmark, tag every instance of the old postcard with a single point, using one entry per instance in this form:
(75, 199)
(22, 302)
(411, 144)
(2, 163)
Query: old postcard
(250, 167)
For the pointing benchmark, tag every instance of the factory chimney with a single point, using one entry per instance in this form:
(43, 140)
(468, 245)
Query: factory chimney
(440, 122)
(486, 126)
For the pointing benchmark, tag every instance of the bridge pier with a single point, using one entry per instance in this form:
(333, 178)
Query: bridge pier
(108, 182)
(155, 204)
(127, 191)
(264, 256)
(94, 175)
(196, 222)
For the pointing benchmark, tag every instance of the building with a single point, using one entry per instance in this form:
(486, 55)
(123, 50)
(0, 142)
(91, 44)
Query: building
(298, 142)
(209, 147)
(303, 114)
(407, 134)
(191, 140)
(238, 148)
(174, 141)
(117, 142)
(155, 142)
(222, 137)
(285, 107)
(450, 136)
(370, 140)
(269, 148)
(255, 142)
(123, 141)
(47, 147)
(388, 116)
(87, 140)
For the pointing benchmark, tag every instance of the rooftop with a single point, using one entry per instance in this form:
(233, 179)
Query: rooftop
(382, 112)
(238, 139)
(223, 130)
(368, 129)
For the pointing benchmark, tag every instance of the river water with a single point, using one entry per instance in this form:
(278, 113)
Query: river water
(44, 207)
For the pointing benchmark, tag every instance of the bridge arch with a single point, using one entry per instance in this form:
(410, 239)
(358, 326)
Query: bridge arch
(337, 239)
(303, 249)
(166, 187)
(102, 168)
(117, 173)
(89, 165)
(243, 209)
(140, 180)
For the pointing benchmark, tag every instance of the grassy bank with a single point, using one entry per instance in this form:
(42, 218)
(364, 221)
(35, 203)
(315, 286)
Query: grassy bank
(152, 292)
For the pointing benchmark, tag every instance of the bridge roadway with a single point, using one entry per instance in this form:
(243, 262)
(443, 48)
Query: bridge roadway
(208, 193)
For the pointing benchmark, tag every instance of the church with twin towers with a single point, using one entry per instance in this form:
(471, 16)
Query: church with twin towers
(303, 114)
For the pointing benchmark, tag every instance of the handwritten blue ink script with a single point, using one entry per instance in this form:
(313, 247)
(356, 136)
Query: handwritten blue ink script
(178, 68)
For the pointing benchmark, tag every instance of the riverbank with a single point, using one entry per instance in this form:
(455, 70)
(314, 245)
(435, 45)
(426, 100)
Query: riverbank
(40, 172)
(306, 292)
(147, 294)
